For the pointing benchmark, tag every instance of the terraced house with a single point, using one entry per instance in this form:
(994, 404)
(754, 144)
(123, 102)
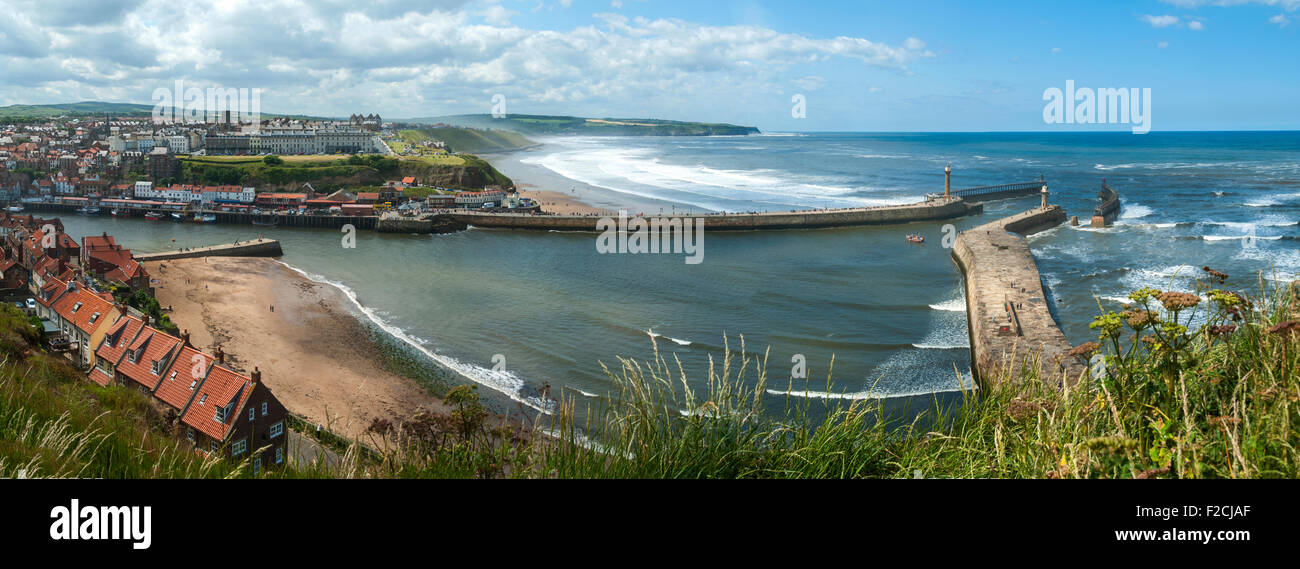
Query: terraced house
(217, 408)
(83, 316)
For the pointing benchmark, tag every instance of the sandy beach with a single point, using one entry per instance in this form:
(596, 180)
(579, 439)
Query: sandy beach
(558, 202)
(314, 354)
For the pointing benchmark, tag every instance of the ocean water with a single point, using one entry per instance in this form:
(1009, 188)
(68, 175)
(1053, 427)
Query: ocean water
(515, 310)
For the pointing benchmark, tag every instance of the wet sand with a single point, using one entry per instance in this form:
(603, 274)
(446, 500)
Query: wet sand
(313, 352)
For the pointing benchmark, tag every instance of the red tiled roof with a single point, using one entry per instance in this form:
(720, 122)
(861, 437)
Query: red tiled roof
(180, 381)
(120, 334)
(56, 288)
(222, 388)
(100, 377)
(158, 347)
(84, 309)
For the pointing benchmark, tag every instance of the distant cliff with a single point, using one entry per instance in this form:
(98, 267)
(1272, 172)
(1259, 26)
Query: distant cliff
(544, 125)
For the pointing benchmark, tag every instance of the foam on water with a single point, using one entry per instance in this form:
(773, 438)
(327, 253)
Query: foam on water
(674, 340)
(1135, 211)
(504, 382)
(954, 305)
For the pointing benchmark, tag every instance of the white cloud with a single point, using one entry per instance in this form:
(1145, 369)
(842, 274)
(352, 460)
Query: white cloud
(1162, 44)
(405, 57)
(1280, 20)
(1289, 5)
(1160, 21)
(1195, 25)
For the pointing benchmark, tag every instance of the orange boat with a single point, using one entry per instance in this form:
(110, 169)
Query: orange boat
(916, 239)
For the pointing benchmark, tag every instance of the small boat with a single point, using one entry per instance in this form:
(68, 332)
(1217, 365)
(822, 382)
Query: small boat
(177, 217)
(204, 218)
(153, 216)
(16, 209)
(916, 239)
(88, 210)
(121, 212)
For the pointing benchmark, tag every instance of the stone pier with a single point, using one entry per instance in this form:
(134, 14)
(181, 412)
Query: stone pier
(1012, 333)
(253, 248)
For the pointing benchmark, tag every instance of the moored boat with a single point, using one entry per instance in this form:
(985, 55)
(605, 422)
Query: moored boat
(916, 239)
(153, 216)
(88, 210)
(204, 218)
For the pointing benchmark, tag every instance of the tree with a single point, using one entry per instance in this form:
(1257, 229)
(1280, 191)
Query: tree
(273, 160)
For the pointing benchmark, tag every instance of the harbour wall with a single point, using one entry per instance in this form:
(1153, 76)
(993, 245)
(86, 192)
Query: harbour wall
(255, 248)
(1108, 211)
(886, 215)
(1012, 333)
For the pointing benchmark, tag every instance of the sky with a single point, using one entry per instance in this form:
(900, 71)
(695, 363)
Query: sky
(851, 65)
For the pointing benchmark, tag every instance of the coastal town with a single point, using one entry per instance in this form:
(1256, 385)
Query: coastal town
(132, 167)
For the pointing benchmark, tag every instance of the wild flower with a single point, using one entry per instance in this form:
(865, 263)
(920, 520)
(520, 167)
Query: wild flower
(1143, 295)
(1216, 275)
(1178, 301)
(1085, 349)
(1288, 328)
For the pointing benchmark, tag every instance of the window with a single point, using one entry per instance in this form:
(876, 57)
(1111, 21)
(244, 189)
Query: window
(257, 466)
(263, 408)
(172, 377)
(76, 307)
(239, 447)
(189, 434)
(277, 429)
(252, 414)
(279, 455)
(155, 368)
(213, 444)
(94, 317)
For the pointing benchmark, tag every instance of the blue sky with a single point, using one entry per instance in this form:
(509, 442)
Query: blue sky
(875, 66)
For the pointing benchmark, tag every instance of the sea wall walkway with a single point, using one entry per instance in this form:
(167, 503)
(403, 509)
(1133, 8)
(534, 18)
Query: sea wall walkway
(1012, 332)
(933, 209)
(255, 248)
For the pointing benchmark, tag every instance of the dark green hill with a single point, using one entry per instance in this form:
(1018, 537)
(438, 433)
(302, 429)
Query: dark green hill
(544, 125)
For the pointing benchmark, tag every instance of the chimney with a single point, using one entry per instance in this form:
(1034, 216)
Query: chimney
(185, 338)
(256, 376)
(221, 355)
(145, 319)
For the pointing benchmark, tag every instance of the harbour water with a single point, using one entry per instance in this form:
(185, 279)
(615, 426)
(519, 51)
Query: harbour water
(546, 308)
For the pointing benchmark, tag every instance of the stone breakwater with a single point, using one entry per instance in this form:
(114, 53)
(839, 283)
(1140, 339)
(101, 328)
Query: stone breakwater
(254, 248)
(1108, 210)
(929, 210)
(1012, 332)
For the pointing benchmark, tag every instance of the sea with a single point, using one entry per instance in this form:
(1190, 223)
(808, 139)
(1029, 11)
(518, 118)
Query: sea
(514, 311)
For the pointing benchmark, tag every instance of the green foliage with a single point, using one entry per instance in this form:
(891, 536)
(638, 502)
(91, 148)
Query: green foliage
(272, 160)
